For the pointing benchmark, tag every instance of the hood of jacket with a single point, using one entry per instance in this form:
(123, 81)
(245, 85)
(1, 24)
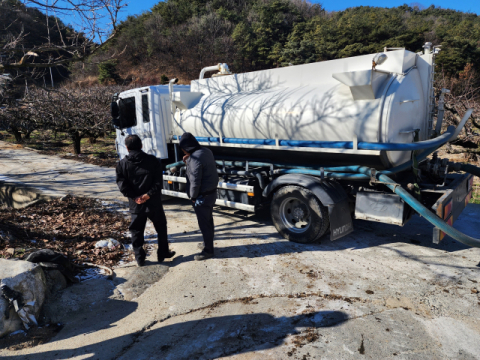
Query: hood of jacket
(136, 156)
(189, 143)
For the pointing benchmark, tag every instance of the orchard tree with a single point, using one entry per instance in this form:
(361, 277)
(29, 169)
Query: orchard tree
(15, 118)
(81, 113)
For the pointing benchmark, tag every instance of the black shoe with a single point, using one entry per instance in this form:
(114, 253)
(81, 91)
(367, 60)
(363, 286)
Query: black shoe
(169, 255)
(141, 262)
(203, 256)
(201, 246)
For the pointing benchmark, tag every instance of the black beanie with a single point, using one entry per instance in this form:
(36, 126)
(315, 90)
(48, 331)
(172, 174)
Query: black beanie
(189, 143)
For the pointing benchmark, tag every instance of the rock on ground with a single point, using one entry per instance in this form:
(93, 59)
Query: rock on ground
(26, 278)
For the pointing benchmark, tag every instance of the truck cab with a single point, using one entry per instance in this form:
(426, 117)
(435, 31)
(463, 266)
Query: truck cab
(145, 112)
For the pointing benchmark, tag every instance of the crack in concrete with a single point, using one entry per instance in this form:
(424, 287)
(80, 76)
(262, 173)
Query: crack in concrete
(247, 300)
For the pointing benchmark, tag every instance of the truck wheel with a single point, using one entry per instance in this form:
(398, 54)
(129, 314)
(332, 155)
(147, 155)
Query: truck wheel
(298, 215)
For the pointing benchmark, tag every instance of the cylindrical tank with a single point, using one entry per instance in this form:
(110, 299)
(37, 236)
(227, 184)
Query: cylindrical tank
(338, 100)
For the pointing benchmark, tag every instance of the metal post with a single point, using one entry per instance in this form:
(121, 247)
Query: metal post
(51, 77)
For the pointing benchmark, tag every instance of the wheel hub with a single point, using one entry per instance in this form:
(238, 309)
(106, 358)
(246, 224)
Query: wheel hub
(295, 215)
(298, 213)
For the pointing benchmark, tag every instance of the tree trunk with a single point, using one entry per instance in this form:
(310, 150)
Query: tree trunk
(75, 136)
(17, 134)
(27, 134)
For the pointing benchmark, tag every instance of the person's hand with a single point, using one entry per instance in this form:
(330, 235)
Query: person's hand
(185, 158)
(141, 199)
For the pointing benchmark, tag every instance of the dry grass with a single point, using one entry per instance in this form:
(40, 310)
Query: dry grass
(83, 83)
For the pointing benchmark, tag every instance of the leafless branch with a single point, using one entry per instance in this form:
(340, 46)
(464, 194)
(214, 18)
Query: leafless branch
(96, 26)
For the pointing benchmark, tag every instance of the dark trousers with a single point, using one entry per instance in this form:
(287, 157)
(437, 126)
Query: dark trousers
(137, 229)
(203, 207)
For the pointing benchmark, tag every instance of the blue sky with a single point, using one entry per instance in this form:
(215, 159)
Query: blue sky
(139, 6)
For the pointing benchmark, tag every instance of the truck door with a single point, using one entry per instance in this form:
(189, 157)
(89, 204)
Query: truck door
(144, 123)
(135, 119)
(159, 136)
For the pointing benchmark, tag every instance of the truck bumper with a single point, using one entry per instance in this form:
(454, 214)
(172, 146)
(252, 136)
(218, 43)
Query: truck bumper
(451, 204)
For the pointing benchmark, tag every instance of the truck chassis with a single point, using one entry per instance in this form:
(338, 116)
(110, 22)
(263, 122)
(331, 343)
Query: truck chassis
(304, 207)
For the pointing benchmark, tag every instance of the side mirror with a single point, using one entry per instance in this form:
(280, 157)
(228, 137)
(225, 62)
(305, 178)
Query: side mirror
(116, 123)
(115, 111)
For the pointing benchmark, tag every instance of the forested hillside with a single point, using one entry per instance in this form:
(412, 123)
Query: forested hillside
(23, 28)
(179, 37)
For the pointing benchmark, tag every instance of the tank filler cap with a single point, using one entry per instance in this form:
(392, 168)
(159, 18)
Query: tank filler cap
(379, 59)
(427, 48)
(223, 70)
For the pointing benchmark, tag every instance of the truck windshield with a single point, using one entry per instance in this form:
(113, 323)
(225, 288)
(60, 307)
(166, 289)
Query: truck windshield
(128, 114)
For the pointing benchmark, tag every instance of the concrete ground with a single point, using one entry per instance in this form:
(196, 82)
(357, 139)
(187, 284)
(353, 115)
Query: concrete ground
(383, 292)
(54, 175)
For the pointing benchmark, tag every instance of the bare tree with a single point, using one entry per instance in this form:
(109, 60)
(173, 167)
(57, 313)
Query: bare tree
(464, 94)
(14, 116)
(78, 112)
(15, 119)
(95, 25)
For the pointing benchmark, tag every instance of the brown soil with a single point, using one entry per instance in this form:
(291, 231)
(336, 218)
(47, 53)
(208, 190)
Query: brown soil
(30, 338)
(305, 337)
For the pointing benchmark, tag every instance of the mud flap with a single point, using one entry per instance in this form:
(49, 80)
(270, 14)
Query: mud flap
(340, 219)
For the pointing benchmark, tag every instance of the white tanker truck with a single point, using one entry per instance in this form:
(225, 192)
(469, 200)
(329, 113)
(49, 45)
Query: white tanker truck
(318, 144)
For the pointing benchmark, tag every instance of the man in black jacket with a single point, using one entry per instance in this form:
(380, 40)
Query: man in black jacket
(139, 177)
(202, 182)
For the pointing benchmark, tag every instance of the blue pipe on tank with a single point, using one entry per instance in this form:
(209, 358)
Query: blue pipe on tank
(299, 169)
(177, 164)
(352, 172)
(423, 211)
(471, 169)
(420, 145)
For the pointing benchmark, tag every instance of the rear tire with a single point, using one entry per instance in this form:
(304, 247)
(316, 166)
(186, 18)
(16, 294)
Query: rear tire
(298, 214)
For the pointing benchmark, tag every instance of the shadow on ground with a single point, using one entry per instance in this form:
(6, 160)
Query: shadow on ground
(102, 314)
(208, 338)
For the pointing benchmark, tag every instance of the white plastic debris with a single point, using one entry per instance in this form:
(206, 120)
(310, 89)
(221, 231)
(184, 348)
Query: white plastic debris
(26, 314)
(110, 243)
(101, 244)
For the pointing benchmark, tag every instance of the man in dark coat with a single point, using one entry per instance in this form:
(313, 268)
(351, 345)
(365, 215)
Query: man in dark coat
(202, 182)
(139, 177)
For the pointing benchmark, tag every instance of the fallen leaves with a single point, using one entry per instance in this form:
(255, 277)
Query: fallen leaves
(70, 226)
